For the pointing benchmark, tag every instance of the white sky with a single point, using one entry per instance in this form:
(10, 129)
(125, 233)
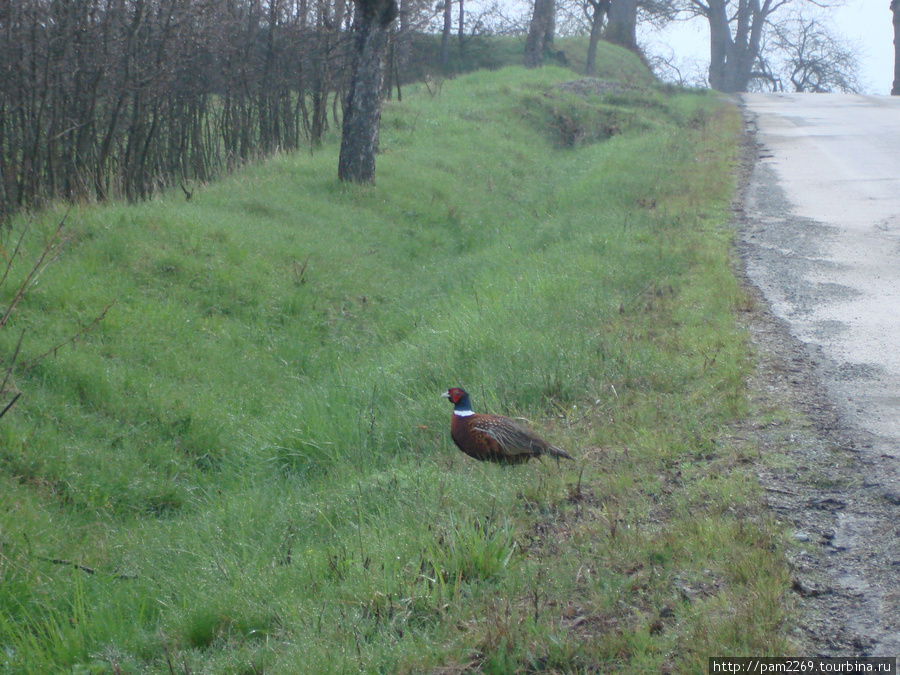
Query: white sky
(869, 23)
(865, 23)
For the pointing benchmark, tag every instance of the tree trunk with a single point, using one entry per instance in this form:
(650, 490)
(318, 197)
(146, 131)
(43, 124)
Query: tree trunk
(445, 34)
(895, 8)
(540, 32)
(621, 28)
(600, 7)
(732, 57)
(362, 109)
(720, 45)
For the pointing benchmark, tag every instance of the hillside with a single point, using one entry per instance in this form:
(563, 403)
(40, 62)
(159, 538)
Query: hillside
(246, 465)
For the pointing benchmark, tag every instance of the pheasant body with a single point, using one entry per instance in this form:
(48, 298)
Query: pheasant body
(494, 438)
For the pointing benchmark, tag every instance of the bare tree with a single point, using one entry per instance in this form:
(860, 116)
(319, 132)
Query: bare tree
(811, 57)
(735, 36)
(736, 32)
(362, 109)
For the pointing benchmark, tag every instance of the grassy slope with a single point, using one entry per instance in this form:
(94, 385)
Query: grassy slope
(255, 431)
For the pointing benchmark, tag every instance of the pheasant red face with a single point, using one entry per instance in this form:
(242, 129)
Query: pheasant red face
(455, 395)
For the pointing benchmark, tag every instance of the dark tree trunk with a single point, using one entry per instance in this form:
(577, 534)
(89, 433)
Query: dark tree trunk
(895, 8)
(600, 8)
(445, 34)
(540, 32)
(720, 45)
(621, 28)
(362, 108)
(731, 57)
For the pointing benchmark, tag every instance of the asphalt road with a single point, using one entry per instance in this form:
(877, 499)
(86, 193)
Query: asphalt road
(820, 239)
(824, 241)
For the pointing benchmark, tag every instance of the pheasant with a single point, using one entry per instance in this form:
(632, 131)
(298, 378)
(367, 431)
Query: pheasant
(493, 438)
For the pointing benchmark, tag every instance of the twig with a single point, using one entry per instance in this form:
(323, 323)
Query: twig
(780, 491)
(36, 269)
(83, 568)
(10, 259)
(10, 404)
(168, 656)
(300, 270)
(12, 362)
(48, 254)
(31, 364)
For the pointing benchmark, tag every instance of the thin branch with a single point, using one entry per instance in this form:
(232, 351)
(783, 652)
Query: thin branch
(12, 362)
(86, 329)
(36, 270)
(83, 568)
(10, 259)
(10, 404)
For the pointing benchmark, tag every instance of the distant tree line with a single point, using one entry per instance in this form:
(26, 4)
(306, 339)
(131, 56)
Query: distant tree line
(116, 98)
(777, 45)
(108, 98)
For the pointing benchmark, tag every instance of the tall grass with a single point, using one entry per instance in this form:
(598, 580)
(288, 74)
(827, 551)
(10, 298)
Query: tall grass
(250, 454)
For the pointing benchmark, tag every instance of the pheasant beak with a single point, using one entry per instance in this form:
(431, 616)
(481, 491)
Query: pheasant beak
(446, 394)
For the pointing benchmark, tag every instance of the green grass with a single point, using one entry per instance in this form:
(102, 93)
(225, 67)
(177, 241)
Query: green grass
(489, 52)
(250, 450)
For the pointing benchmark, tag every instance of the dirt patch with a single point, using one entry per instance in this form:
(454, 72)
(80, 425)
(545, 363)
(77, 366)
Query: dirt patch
(836, 486)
